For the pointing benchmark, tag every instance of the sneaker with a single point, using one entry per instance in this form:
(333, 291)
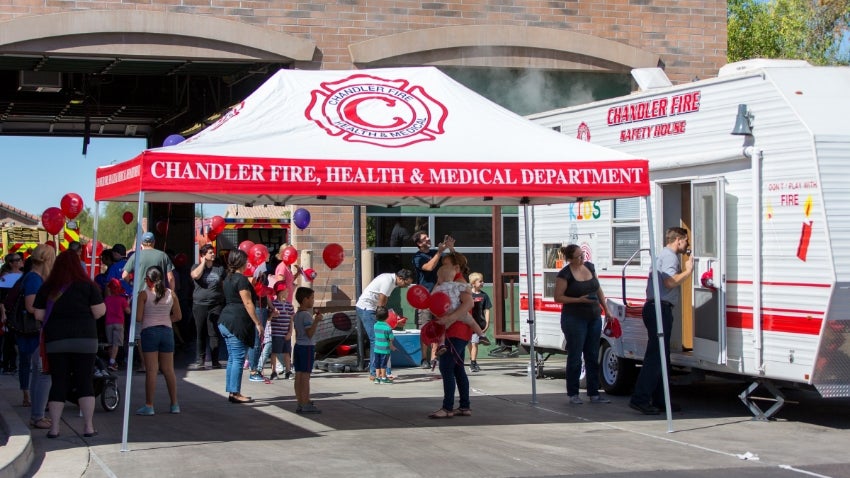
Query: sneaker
(175, 409)
(309, 408)
(598, 399)
(255, 377)
(287, 374)
(387, 381)
(273, 376)
(376, 381)
(217, 366)
(474, 367)
(424, 364)
(145, 411)
(196, 366)
(483, 341)
(575, 400)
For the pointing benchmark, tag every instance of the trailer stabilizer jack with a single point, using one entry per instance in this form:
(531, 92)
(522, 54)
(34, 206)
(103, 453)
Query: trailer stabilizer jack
(749, 400)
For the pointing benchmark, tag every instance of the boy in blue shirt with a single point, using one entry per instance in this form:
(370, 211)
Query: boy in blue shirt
(383, 345)
(305, 324)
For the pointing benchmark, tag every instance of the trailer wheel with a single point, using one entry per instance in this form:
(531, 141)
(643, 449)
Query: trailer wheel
(616, 374)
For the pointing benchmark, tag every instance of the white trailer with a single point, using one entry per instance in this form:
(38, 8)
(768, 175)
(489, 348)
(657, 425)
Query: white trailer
(768, 211)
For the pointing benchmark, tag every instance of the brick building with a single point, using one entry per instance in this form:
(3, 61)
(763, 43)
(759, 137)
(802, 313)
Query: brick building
(94, 43)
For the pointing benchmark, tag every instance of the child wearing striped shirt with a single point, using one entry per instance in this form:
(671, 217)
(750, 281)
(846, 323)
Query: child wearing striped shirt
(383, 345)
(281, 335)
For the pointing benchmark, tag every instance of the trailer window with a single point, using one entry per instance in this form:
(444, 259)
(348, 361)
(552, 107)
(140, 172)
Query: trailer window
(625, 230)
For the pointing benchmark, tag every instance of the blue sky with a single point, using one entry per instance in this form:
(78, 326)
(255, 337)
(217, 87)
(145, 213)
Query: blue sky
(38, 171)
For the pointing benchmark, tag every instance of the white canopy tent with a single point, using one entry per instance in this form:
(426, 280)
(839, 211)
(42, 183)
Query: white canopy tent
(388, 137)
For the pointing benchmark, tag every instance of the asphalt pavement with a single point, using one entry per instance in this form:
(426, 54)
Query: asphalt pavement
(384, 430)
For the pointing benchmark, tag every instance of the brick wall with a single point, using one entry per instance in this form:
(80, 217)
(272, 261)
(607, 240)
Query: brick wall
(688, 35)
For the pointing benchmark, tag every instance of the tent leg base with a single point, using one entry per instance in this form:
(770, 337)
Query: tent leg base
(749, 400)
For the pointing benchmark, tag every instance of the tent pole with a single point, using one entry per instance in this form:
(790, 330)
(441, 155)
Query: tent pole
(137, 278)
(529, 271)
(358, 284)
(659, 324)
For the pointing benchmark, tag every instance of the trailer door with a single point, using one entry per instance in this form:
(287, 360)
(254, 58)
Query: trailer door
(708, 219)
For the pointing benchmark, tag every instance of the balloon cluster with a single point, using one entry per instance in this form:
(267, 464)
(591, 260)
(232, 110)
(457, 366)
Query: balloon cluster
(438, 303)
(53, 218)
(257, 254)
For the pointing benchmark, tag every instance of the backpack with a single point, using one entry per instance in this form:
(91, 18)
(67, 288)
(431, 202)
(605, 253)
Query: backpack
(17, 318)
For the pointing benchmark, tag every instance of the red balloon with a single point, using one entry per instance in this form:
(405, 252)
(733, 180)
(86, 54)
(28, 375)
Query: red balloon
(440, 304)
(127, 217)
(98, 248)
(289, 255)
(432, 332)
(309, 274)
(181, 259)
(333, 255)
(418, 296)
(249, 270)
(53, 220)
(162, 227)
(72, 205)
(258, 254)
(211, 235)
(217, 224)
(246, 246)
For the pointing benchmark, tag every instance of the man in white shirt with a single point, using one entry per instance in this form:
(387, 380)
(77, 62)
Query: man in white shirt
(376, 294)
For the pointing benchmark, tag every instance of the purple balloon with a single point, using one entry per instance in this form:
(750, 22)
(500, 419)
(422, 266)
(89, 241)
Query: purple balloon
(173, 139)
(301, 218)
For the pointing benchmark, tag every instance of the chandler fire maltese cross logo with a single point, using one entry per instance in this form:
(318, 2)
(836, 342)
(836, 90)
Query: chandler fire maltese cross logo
(368, 109)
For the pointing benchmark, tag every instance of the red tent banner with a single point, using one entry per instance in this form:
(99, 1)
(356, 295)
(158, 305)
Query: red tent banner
(401, 136)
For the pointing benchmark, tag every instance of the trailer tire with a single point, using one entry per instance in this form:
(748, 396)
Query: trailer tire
(616, 374)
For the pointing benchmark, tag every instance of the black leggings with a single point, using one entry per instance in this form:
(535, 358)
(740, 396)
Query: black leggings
(206, 330)
(67, 370)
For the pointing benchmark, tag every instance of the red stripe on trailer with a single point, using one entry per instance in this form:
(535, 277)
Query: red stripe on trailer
(776, 323)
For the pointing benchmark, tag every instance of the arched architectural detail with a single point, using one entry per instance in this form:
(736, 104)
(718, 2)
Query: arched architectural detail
(570, 49)
(145, 34)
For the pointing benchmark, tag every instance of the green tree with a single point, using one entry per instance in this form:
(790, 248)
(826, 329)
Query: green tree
(111, 228)
(810, 30)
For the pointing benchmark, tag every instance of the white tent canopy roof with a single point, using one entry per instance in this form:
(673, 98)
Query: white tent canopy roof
(388, 137)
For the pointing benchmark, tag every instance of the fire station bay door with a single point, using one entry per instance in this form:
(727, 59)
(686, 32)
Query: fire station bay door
(708, 244)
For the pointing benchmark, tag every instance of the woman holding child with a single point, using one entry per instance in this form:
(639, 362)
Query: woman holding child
(458, 333)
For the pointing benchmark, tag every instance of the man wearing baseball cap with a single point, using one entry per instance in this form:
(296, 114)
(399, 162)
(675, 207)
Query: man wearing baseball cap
(149, 257)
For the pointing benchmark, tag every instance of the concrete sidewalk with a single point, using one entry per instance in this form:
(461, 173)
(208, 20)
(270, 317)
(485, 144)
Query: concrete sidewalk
(383, 430)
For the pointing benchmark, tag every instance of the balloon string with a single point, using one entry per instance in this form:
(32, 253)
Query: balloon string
(325, 292)
(167, 224)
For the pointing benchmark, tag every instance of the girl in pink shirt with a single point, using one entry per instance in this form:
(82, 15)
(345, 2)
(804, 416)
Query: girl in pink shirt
(156, 309)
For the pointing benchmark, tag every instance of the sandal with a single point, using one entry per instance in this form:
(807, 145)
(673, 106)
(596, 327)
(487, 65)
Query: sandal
(441, 413)
(462, 412)
(42, 423)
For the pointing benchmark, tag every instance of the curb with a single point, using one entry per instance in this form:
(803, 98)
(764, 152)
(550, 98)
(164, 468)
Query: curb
(17, 456)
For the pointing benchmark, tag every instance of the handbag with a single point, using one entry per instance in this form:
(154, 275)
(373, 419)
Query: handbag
(45, 365)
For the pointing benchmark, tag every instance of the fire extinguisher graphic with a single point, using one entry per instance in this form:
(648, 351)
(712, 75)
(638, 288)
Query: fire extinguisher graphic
(806, 233)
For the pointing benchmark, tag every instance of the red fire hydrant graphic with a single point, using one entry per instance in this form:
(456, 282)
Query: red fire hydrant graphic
(806, 234)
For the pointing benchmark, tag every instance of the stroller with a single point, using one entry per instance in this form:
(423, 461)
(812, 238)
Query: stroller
(105, 387)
